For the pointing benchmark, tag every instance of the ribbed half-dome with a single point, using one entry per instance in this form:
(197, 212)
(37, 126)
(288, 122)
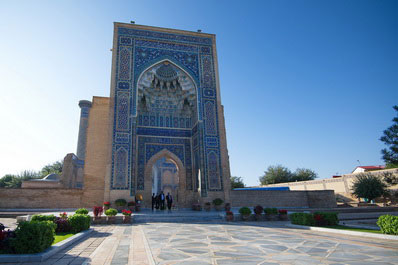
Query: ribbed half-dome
(166, 73)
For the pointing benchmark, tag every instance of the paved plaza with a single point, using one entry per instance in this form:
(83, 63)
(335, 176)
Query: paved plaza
(223, 243)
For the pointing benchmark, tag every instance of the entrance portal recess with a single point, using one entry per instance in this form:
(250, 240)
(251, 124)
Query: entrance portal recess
(165, 178)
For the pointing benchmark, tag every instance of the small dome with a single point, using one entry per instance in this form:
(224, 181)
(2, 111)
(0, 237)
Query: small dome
(52, 176)
(166, 72)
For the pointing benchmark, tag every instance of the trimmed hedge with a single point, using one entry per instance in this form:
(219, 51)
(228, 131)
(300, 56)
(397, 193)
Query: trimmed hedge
(302, 219)
(245, 211)
(330, 218)
(388, 224)
(81, 211)
(111, 212)
(79, 222)
(271, 211)
(43, 218)
(33, 237)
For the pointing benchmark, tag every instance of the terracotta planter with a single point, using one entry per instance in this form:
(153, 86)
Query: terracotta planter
(218, 207)
(97, 220)
(229, 217)
(283, 217)
(110, 219)
(126, 219)
(245, 217)
(271, 217)
(258, 217)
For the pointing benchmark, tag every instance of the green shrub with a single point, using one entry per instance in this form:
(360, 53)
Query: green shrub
(271, 211)
(388, 224)
(33, 237)
(331, 218)
(120, 202)
(81, 211)
(302, 219)
(79, 222)
(245, 211)
(111, 212)
(42, 218)
(217, 201)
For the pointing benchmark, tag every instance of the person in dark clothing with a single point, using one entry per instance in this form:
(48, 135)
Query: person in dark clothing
(153, 201)
(157, 201)
(162, 199)
(169, 200)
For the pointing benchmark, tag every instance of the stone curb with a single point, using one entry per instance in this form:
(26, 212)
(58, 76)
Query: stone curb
(38, 257)
(343, 232)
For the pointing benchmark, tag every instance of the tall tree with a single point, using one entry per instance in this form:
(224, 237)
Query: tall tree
(303, 174)
(237, 182)
(276, 174)
(390, 138)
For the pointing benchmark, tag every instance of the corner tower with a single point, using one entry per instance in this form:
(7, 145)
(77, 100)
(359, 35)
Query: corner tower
(167, 129)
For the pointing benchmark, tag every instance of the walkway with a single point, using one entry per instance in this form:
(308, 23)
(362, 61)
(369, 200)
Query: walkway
(223, 243)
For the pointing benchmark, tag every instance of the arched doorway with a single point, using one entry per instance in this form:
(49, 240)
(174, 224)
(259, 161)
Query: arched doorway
(165, 178)
(166, 171)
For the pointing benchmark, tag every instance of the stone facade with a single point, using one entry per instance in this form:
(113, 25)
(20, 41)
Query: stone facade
(283, 199)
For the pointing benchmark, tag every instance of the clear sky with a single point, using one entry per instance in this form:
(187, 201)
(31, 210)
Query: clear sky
(304, 83)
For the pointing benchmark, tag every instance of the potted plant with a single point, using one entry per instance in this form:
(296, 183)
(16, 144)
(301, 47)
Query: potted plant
(126, 216)
(282, 215)
(217, 204)
(271, 214)
(207, 206)
(131, 205)
(138, 200)
(245, 213)
(258, 210)
(229, 216)
(97, 211)
(106, 206)
(120, 204)
(110, 213)
(227, 207)
(196, 207)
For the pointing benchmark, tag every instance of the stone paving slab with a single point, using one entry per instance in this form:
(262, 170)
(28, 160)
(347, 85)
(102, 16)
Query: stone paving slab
(222, 243)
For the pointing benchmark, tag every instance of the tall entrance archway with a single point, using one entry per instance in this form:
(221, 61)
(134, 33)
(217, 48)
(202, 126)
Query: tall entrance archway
(165, 178)
(165, 172)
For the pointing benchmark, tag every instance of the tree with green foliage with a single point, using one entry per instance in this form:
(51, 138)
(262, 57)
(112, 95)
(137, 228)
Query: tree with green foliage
(276, 174)
(55, 167)
(390, 138)
(237, 182)
(303, 174)
(10, 181)
(368, 186)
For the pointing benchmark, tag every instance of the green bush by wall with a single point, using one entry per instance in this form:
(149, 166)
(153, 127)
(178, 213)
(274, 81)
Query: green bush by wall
(81, 211)
(33, 237)
(388, 224)
(330, 217)
(79, 222)
(302, 218)
(42, 217)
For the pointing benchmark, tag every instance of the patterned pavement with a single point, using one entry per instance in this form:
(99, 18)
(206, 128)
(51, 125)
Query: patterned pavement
(223, 243)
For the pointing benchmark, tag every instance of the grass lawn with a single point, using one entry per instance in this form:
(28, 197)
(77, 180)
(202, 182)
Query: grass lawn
(61, 236)
(343, 227)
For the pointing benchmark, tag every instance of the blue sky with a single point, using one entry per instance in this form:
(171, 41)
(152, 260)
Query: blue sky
(304, 83)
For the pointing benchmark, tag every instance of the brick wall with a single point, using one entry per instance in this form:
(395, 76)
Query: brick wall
(275, 198)
(40, 198)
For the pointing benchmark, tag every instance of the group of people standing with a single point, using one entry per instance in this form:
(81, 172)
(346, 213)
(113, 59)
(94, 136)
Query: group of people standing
(158, 201)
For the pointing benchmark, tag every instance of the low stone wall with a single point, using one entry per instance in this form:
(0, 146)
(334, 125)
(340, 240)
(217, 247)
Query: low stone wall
(288, 199)
(40, 198)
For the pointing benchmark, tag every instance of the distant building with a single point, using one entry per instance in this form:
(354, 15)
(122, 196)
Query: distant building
(362, 169)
